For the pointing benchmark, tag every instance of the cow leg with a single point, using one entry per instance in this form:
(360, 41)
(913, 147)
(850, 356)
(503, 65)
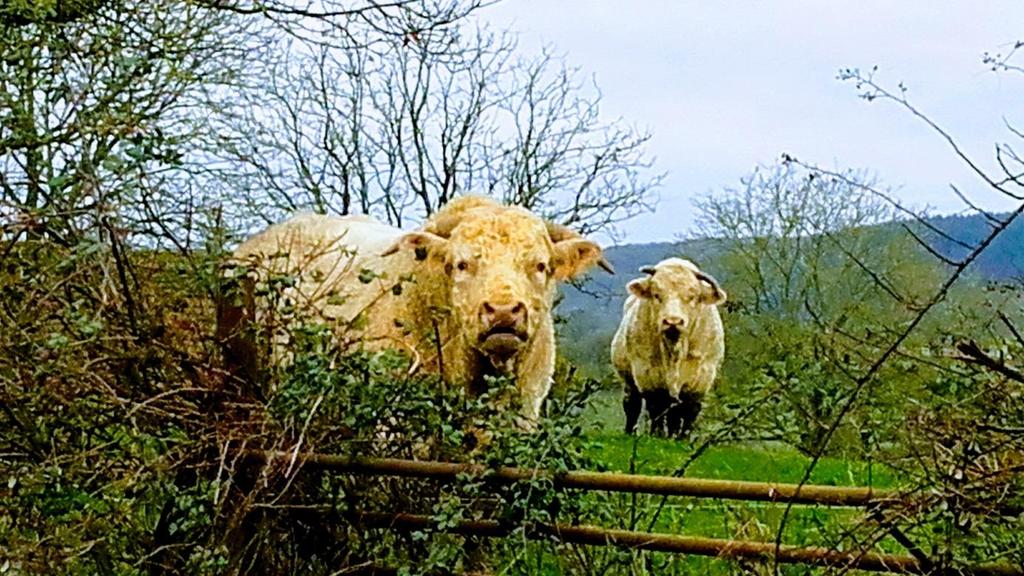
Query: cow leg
(689, 407)
(657, 407)
(632, 402)
(673, 417)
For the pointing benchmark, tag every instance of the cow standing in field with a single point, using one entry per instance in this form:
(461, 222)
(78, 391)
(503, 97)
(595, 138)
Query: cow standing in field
(669, 345)
(468, 295)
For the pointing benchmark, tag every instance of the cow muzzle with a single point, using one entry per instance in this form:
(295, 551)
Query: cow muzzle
(672, 328)
(504, 330)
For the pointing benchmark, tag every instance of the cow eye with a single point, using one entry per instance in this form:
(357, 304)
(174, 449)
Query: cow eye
(462, 265)
(542, 267)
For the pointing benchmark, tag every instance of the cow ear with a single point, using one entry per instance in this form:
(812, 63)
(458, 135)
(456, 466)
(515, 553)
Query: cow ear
(641, 287)
(711, 293)
(574, 256)
(422, 244)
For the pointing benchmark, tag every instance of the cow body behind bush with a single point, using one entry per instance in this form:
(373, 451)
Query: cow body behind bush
(669, 345)
(467, 295)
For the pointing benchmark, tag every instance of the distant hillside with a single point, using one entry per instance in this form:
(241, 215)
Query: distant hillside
(1003, 260)
(593, 309)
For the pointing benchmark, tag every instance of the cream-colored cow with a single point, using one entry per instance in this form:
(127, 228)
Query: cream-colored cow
(469, 294)
(669, 345)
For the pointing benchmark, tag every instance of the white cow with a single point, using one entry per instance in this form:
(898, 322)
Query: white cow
(468, 295)
(669, 345)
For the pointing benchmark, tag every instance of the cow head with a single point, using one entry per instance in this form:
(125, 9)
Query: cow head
(500, 265)
(677, 290)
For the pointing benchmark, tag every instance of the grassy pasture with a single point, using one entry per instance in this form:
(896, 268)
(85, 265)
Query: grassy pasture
(613, 450)
(762, 462)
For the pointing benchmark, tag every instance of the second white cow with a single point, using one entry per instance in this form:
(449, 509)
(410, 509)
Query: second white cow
(669, 345)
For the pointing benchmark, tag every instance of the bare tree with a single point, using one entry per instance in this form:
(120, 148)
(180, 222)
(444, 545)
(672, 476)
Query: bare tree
(782, 225)
(811, 263)
(436, 116)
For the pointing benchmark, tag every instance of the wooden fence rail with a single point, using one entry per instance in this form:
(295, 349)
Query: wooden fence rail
(606, 481)
(659, 485)
(714, 547)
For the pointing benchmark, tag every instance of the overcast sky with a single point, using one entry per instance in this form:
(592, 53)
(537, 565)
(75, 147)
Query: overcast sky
(724, 86)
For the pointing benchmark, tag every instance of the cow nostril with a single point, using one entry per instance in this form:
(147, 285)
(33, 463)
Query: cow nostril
(503, 315)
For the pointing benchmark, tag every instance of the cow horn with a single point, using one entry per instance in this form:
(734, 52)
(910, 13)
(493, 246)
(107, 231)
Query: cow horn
(443, 225)
(560, 232)
(649, 270)
(710, 280)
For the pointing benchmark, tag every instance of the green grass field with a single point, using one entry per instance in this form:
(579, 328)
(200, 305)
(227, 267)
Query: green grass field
(613, 450)
(763, 462)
